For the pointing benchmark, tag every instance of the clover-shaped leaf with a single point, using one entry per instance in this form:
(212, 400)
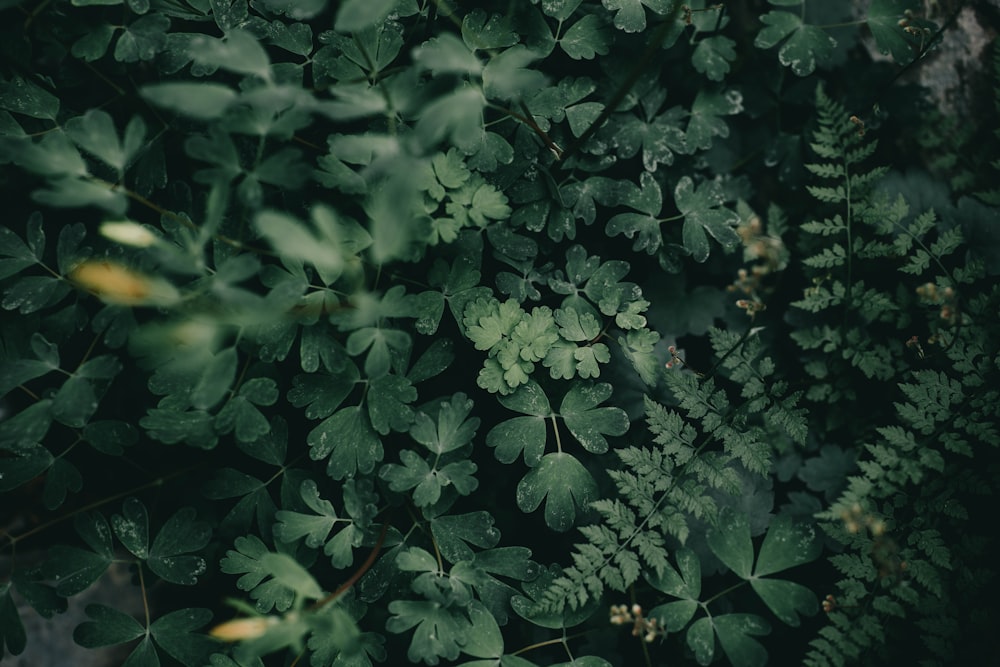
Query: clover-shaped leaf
(683, 583)
(349, 440)
(735, 633)
(588, 423)
(806, 45)
(320, 393)
(389, 399)
(95, 133)
(453, 428)
(644, 227)
(455, 532)
(439, 632)
(170, 556)
(785, 546)
(314, 528)
(426, 482)
(285, 577)
(703, 212)
(706, 121)
(565, 486)
(712, 56)
(630, 15)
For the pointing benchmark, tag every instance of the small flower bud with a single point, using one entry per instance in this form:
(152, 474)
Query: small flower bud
(129, 233)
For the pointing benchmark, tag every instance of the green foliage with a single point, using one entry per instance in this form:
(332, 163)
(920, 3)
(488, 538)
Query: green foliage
(427, 331)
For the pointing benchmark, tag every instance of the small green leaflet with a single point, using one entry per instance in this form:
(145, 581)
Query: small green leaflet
(427, 482)
(712, 56)
(806, 46)
(201, 101)
(349, 440)
(453, 428)
(357, 15)
(565, 486)
(11, 628)
(95, 133)
(522, 434)
(588, 423)
(630, 15)
(705, 120)
(75, 569)
(585, 39)
(703, 212)
(482, 32)
(438, 633)
(644, 227)
(285, 577)
(887, 20)
(683, 583)
(455, 532)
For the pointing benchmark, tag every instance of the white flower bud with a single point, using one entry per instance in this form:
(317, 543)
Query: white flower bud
(129, 233)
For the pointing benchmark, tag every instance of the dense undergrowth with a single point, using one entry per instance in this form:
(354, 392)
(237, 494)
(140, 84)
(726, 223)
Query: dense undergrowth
(566, 332)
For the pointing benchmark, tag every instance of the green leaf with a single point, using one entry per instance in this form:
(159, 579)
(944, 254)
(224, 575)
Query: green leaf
(730, 542)
(389, 399)
(12, 632)
(215, 380)
(786, 599)
(630, 15)
(484, 638)
(687, 584)
(239, 52)
(94, 44)
(201, 101)
(132, 527)
(588, 423)
(706, 122)
(349, 440)
(107, 627)
(447, 54)
(315, 528)
(455, 532)
(75, 402)
(62, 477)
(174, 633)
(786, 545)
(42, 598)
(645, 227)
(453, 428)
(357, 15)
(285, 577)
(23, 96)
(507, 77)
(703, 212)
(169, 556)
(29, 462)
(587, 38)
(807, 45)
(95, 133)
(521, 434)
(712, 56)
(75, 569)
(884, 17)
(565, 485)
(142, 39)
(736, 632)
(481, 31)
(323, 393)
(439, 631)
